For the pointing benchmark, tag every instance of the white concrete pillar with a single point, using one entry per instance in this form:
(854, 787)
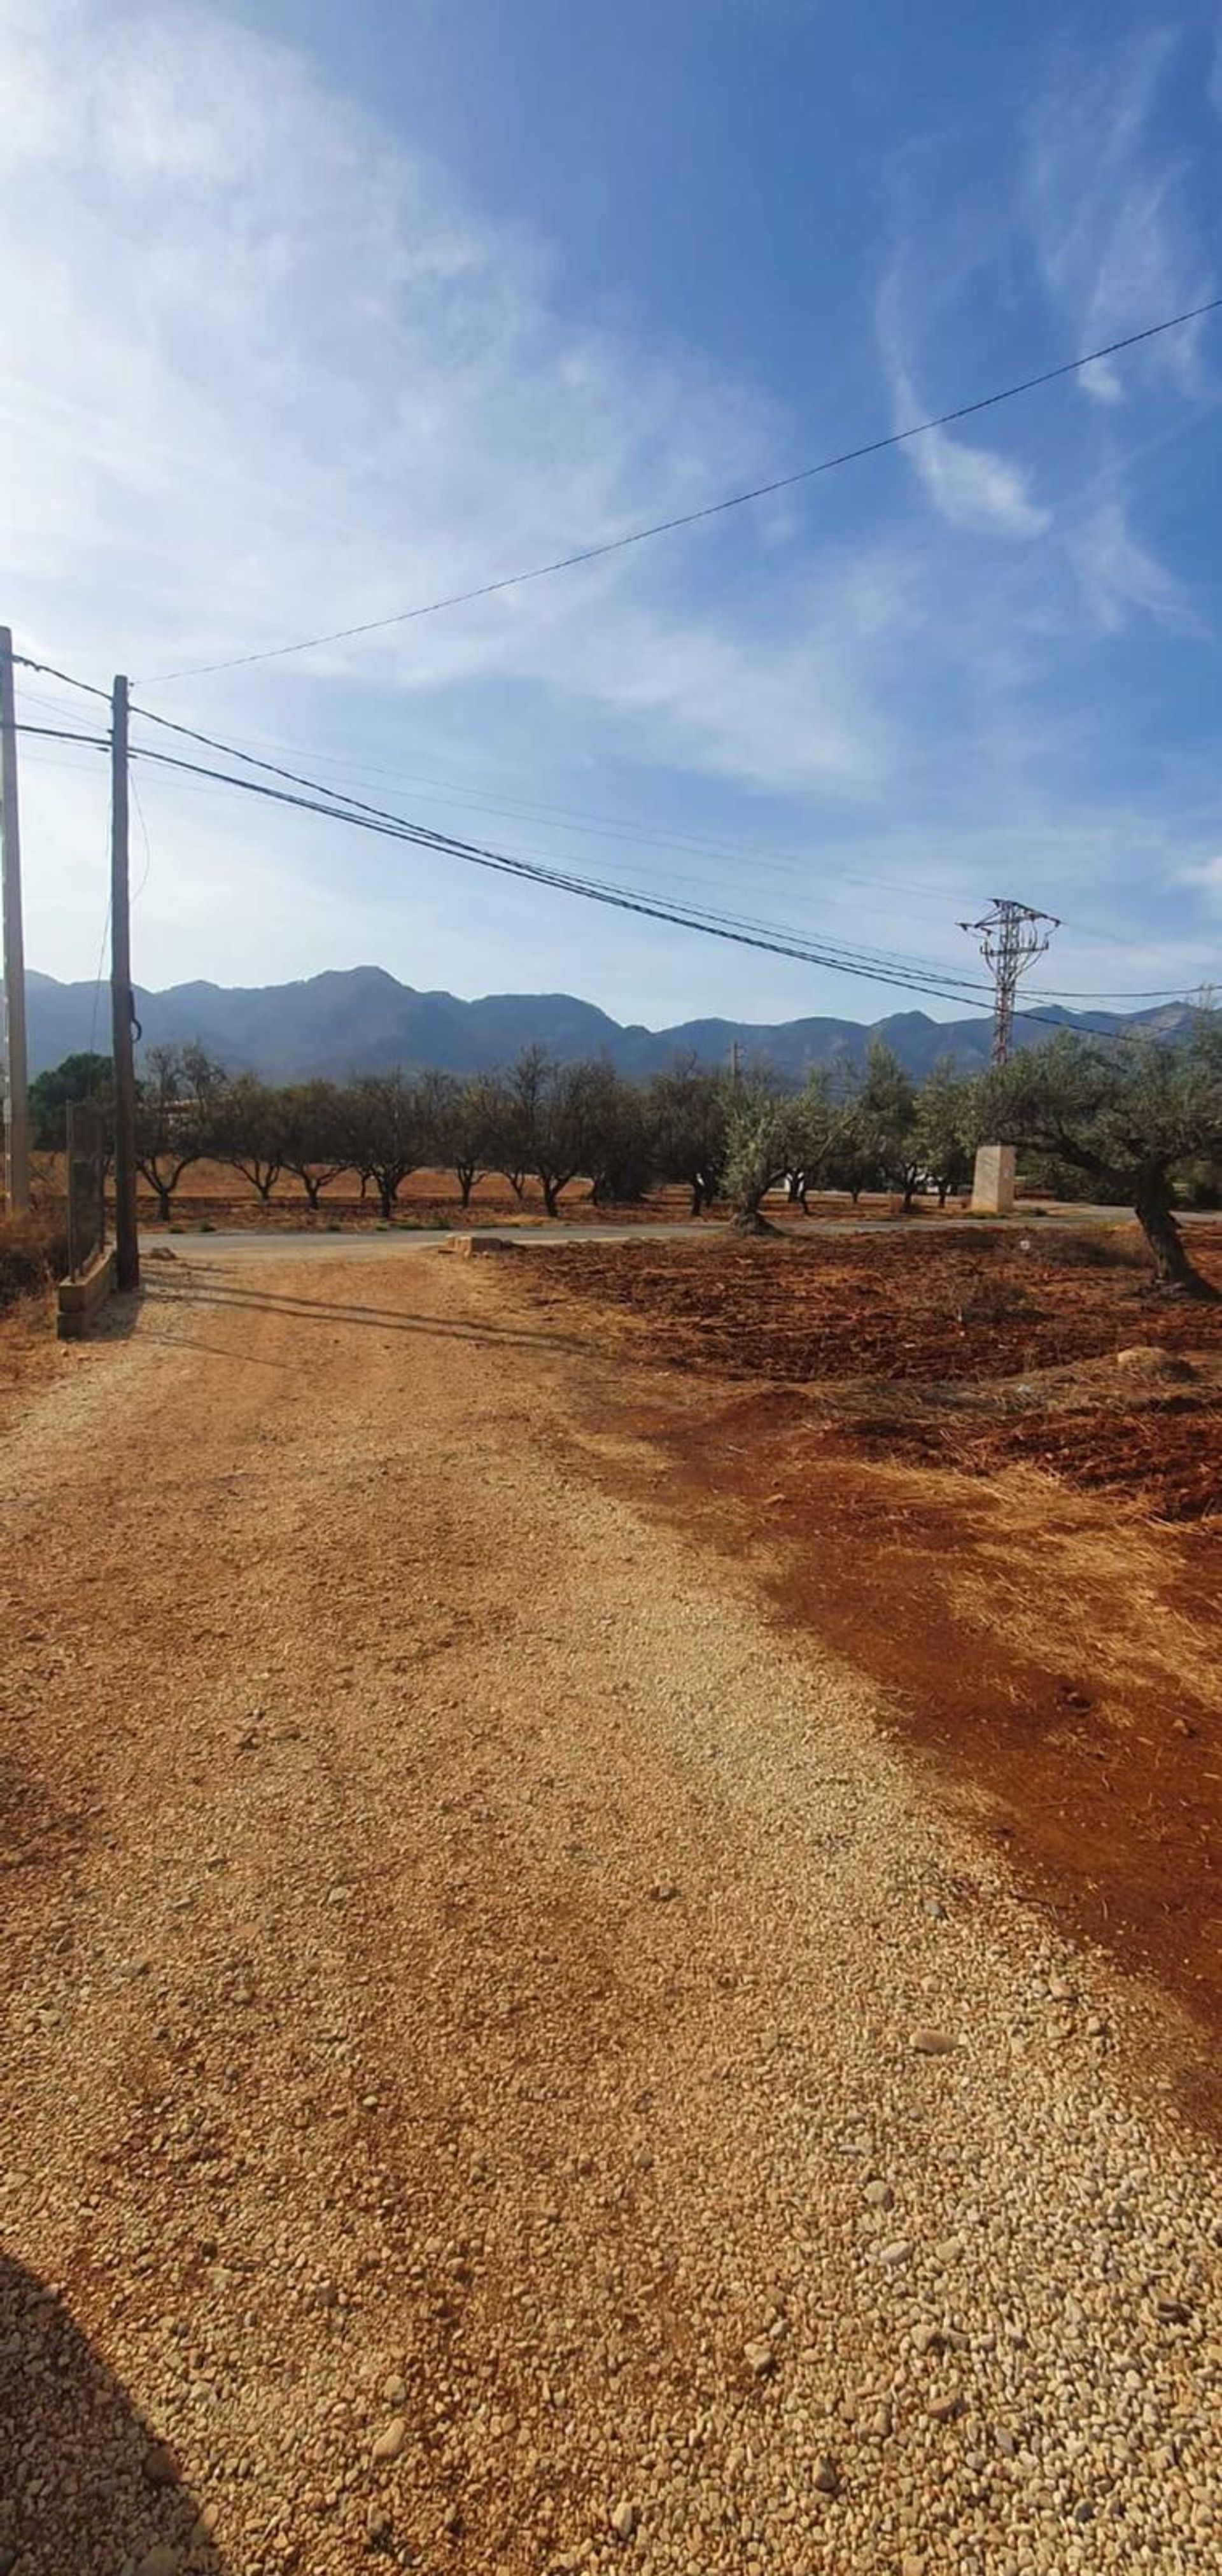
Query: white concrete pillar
(993, 1181)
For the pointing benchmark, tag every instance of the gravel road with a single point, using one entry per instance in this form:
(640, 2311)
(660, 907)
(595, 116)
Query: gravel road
(505, 2067)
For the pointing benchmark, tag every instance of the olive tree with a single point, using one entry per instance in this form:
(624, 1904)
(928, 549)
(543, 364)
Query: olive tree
(1129, 1114)
(813, 1132)
(885, 1107)
(760, 1148)
(945, 1127)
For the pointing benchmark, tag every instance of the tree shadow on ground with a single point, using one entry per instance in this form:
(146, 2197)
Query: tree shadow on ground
(386, 1319)
(86, 2487)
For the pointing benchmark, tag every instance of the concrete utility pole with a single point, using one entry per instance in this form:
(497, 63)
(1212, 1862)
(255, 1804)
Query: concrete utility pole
(1011, 937)
(16, 1101)
(127, 1245)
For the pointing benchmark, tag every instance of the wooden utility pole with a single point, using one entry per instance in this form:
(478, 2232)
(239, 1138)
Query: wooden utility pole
(16, 1101)
(127, 1246)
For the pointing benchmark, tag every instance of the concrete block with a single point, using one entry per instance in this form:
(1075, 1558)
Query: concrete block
(993, 1182)
(468, 1247)
(78, 1300)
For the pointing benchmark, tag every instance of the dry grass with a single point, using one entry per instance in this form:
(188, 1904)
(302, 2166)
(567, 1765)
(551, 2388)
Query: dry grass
(33, 1252)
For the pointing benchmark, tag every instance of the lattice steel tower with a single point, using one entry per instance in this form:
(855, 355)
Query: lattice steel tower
(1011, 937)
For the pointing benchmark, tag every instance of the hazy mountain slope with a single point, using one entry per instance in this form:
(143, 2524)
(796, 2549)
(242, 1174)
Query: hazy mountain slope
(362, 1020)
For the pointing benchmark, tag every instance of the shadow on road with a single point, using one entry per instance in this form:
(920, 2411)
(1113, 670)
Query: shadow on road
(86, 2488)
(312, 1310)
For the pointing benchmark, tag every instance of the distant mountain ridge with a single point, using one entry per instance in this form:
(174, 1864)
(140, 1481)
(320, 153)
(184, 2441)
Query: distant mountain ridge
(361, 1020)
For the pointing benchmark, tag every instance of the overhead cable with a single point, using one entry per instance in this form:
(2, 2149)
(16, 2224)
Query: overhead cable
(709, 509)
(351, 807)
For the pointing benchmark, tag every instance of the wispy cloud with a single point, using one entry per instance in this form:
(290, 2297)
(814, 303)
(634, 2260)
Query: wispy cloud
(973, 487)
(1106, 203)
(329, 389)
(970, 486)
(1205, 873)
(1120, 575)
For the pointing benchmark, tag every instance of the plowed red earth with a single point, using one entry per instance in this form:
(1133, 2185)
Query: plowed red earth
(900, 1305)
(1167, 1454)
(860, 1419)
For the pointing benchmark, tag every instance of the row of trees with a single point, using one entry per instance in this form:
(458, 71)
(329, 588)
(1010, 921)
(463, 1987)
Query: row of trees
(1121, 1121)
(537, 1119)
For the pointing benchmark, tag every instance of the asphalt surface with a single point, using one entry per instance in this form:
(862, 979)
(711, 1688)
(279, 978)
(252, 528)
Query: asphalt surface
(374, 1244)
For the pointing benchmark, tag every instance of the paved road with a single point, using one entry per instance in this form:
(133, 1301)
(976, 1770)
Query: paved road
(504, 2066)
(276, 1243)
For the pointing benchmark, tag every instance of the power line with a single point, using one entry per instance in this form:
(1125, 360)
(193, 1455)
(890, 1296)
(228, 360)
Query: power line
(856, 949)
(685, 840)
(49, 672)
(618, 897)
(58, 733)
(353, 807)
(836, 955)
(710, 509)
(464, 793)
(552, 818)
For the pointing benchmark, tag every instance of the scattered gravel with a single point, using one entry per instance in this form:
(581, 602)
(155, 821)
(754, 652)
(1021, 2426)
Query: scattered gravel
(474, 1996)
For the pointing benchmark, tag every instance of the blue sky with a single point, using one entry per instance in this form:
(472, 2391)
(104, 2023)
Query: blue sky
(311, 315)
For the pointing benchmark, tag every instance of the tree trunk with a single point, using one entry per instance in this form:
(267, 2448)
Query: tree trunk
(163, 1202)
(548, 1188)
(1172, 1268)
(386, 1199)
(312, 1188)
(697, 1197)
(266, 1187)
(465, 1176)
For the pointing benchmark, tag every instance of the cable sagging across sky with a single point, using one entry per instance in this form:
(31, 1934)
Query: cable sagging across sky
(707, 510)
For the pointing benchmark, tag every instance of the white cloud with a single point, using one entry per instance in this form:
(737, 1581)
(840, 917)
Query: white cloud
(266, 376)
(1120, 575)
(1106, 207)
(972, 487)
(1206, 873)
(975, 488)
(263, 372)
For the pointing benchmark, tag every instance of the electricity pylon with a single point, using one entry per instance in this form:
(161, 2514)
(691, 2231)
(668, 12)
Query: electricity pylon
(1011, 937)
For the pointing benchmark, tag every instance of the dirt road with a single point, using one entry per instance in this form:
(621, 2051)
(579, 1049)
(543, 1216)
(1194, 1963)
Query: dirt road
(503, 2065)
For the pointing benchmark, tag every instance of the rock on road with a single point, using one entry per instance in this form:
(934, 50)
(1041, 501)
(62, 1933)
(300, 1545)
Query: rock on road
(505, 2065)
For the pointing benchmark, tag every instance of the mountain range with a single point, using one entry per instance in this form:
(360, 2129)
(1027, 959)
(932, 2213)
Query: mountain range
(361, 1020)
